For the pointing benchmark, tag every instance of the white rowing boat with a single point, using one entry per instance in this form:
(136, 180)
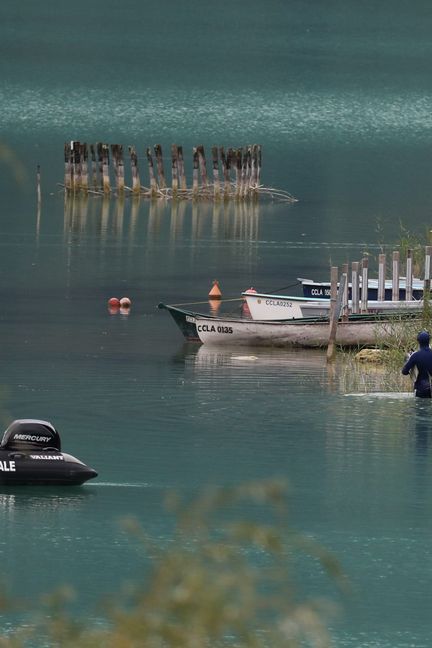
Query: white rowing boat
(265, 306)
(356, 331)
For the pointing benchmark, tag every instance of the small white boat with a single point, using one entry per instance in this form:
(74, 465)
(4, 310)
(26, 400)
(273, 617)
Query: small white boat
(357, 330)
(264, 306)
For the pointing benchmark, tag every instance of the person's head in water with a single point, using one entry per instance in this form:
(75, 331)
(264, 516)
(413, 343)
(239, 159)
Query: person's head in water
(423, 338)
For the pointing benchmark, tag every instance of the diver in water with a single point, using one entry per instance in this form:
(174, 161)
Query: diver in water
(422, 361)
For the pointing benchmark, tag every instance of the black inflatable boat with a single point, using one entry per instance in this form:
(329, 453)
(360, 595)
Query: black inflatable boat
(30, 453)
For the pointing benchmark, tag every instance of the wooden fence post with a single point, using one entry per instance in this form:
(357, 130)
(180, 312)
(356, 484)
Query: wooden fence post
(160, 168)
(93, 167)
(174, 169)
(215, 161)
(238, 168)
(153, 183)
(333, 288)
(409, 277)
(84, 167)
(68, 167)
(202, 166)
(381, 277)
(105, 169)
(345, 305)
(181, 169)
(77, 166)
(136, 183)
(335, 312)
(195, 172)
(355, 286)
(395, 277)
(427, 273)
(365, 285)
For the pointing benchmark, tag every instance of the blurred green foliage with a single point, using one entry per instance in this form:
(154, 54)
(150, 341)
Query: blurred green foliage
(226, 579)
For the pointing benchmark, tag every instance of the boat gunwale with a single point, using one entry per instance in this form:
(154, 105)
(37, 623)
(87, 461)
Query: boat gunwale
(352, 318)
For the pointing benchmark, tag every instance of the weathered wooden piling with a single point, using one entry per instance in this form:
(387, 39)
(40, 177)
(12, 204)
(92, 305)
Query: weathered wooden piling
(238, 168)
(84, 167)
(181, 169)
(105, 169)
(409, 276)
(202, 167)
(160, 167)
(336, 297)
(99, 153)
(136, 183)
(216, 181)
(118, 163)
(195, 171)
(174, 169)
(94, 181)
(114, 162)
(427, 270)
(121, 174)
(76, 166)
(395, 276)
(365, 285)
(153, 183)
(68, 168)
(244, 174)
(254, 168)
(355, 286)
(345, 305)
(381, 276)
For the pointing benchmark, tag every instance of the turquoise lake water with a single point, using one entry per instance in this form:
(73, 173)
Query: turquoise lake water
(339, 96)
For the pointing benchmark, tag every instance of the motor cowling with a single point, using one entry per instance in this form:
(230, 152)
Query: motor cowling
(30, 434)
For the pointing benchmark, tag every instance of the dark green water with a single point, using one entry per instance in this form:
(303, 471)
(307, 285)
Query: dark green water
(339, 95)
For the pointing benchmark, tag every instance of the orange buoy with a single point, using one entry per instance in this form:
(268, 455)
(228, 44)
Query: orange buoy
(215, 292)
(125, 302)
(113, 302)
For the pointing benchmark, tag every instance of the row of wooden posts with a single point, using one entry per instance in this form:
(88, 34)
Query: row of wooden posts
(236, 172)
(360, 279)
(339, 303)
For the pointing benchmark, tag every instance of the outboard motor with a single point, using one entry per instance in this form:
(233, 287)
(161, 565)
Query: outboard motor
(31, 434)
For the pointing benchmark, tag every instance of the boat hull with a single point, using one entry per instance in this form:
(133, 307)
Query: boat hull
(263, 306)
(42, 468)
(360, 331)
(185, 321)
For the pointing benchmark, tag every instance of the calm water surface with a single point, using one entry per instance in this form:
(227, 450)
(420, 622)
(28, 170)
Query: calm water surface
(339, 96)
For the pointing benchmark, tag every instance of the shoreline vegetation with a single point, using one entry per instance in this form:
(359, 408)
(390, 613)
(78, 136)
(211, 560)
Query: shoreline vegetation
(386, 360)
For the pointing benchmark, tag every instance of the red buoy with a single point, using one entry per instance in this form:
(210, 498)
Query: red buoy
(113, 302)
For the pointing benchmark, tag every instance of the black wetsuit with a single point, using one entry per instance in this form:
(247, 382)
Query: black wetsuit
(422, 359)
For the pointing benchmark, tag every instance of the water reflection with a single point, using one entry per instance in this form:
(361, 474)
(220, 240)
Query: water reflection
(135, 219)
(422, 426)
(44, 498)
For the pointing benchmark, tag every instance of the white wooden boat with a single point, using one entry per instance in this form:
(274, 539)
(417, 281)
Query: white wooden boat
(358, 330)
(264, 306)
